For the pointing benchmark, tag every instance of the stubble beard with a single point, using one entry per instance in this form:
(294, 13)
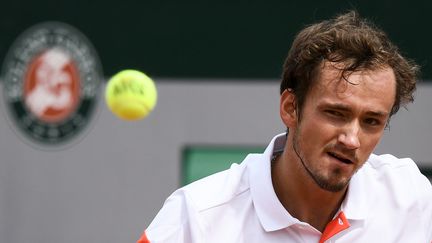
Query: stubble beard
(329, 183)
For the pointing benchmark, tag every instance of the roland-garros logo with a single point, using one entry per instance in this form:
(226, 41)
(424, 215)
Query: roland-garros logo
(51, 78)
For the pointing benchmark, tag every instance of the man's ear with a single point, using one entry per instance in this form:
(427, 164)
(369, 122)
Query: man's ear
(288, 110)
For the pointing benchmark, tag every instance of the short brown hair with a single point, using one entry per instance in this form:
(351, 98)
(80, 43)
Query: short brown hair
(352, 41)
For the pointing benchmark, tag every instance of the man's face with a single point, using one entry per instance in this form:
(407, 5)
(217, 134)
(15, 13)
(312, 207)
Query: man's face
(341, 123)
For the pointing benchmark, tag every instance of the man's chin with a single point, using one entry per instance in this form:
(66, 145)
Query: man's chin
(333, 187)
(335, 184)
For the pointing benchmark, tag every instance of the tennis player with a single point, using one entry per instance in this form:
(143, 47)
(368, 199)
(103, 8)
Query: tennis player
(319, 182)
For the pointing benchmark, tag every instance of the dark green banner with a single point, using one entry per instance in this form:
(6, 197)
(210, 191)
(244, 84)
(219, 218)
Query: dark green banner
(211, 39)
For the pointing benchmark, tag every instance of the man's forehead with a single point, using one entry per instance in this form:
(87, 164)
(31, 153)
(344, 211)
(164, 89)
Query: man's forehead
(333, 74)
(374, 88)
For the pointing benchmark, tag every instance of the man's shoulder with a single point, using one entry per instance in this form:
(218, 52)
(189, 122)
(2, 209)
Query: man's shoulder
(387, 164)
(401, 176)
(218, 188)
(208, 207)
(389, 161)
(396, 192)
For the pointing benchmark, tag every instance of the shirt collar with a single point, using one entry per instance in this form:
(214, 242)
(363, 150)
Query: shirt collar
(271, 213)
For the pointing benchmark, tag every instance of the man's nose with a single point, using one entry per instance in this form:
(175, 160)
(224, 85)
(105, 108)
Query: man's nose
(350, 135)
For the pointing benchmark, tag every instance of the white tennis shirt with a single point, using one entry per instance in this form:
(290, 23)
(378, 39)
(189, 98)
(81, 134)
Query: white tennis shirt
(388, 201)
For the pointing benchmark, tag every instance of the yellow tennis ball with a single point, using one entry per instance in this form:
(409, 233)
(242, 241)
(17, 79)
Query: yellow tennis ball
(131, 95)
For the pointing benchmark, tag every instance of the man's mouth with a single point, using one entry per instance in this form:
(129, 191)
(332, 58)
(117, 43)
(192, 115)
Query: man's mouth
(340, 157)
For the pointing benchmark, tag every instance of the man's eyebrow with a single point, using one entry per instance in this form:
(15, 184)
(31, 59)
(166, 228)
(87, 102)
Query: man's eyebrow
(346, 108)
(336, 106)
(377, 113)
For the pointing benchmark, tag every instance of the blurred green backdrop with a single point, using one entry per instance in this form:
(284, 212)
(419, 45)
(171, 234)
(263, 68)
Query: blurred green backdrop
(211, 39)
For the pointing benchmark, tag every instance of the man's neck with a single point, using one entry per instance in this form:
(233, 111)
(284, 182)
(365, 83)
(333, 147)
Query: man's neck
(301, 196)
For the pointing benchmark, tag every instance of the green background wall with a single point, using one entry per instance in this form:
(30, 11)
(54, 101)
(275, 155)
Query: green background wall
(211, 39)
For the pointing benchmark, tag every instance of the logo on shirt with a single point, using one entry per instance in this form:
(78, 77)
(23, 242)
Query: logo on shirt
(51, 78)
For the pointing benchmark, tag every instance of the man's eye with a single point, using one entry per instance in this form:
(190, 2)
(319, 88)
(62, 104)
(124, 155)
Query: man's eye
(334, 113)
(372, 121)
